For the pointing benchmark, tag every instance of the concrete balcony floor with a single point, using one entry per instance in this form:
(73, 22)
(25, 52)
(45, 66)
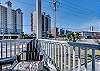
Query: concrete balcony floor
(89, 66)
(27, 66)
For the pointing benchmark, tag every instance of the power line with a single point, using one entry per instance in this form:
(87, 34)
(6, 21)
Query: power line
(29, 4)
(46, 6)
(76, 9)
(72, 9)
(77, 6)
(53, 6)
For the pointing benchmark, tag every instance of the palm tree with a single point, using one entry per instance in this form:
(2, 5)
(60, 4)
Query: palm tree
(69, 37)
(77, 36)
(73, 36)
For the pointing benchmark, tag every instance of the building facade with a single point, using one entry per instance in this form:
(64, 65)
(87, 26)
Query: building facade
(11, 21)
(55, 32)
(46, 24)
(62, 32)
(91, 34)
(34, 23)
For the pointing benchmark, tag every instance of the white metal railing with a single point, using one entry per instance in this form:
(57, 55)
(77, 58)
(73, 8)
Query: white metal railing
(67, 56)
(24, 51)
(11, 47)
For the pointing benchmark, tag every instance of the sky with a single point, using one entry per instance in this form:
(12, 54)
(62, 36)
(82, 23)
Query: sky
(76, 15)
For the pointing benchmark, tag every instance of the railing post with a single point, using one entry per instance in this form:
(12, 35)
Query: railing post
(25, 49)
(18, 47)
(32, 55)
(85, 59)
(69, 59)
(1, 49)
(6, 49)
(64, 58)
(10, 48)
(27, 54)
(45, 51)
(31, 49)
(55, 53)
(93, 59)
(73, 58)
(14, 48)
(46, 48)
(0, 67)
(79, 59)
(22, 51)
(58, 56)
(61, 46)
(49, 50)
(45, 59)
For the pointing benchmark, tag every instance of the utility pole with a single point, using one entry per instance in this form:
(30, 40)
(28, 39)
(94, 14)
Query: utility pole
(39, 19)
(54, 5)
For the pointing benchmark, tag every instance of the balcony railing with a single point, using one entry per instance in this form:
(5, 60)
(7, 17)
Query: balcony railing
(20, 55)
(65, 56)
(10, 48)
(70, 56)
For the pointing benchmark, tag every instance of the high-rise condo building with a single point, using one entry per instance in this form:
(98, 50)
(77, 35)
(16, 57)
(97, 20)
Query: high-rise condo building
(11, 21)
(46, 24)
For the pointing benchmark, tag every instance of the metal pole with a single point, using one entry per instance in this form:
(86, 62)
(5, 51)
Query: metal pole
(55, 5)
(10, 47)
(54, 2)
(69, 59)
(65, 58)
(79, 59)
(61, 46)
(6, 49)
(93, 60)
(73, 58)
(39, 19)
(58, 55)
(1, 49)
(85, 59)
(55, 53)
